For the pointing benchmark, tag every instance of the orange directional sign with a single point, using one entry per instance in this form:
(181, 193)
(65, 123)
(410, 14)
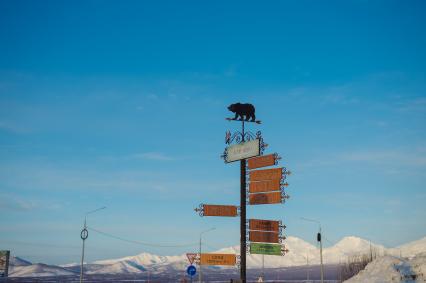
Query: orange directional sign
(220, 210)
(218, 259)
(263, 237)
(267, 198)
(265, 186)
(266, 174)
(262, 161)
(264, 225)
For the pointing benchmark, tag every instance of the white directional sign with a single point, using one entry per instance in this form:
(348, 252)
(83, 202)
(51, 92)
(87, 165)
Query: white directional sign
(243, 150)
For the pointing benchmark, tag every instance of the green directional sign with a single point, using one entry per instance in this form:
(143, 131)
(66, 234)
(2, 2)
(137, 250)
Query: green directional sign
(266, 249)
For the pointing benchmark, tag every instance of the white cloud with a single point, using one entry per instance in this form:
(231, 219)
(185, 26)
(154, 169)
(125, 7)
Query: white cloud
(152, 156)
(396, 157)
(8, 202)
(392, 161)
(417, 105)
(11, 127)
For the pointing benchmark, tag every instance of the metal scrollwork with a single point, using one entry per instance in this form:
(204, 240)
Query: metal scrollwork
(284, 196)
(284, 250)
(277, 158)
(224, 155)
(239, 137)
(262, 146)
(200, 210)
(283, 185)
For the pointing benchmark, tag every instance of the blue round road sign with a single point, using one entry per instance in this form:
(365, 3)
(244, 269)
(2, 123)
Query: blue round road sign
(191, 270)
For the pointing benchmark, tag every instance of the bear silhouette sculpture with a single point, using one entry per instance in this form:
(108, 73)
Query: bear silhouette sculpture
(243, 110)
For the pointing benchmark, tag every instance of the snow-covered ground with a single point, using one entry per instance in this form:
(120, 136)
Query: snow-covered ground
(379, 271)
(299, 252)
(393, 269)
(418, 265)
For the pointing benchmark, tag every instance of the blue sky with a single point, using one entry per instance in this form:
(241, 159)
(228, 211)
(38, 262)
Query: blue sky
(122, 104)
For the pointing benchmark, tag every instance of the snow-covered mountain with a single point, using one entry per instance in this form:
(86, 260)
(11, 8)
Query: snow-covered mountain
(350, 246)
(38, 269)
(299, 253)
(410, 249)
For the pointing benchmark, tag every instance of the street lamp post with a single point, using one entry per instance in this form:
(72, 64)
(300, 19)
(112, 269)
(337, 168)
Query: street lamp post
(199, 266)
(319, 239)
(307, 267)
(84, 235)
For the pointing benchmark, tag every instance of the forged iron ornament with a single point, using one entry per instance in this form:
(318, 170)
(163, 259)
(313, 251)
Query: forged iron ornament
(245, 111)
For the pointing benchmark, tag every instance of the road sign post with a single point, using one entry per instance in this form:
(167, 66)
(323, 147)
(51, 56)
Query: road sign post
(247, 145)
(265, 188)
(191, 271)
(243, 219)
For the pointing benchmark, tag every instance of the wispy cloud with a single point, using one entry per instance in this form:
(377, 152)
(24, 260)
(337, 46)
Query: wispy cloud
(416, 158)
(396, 158)
(11, 127)
(413, 105)
(13, 202)
(152, 156)
(8, 202)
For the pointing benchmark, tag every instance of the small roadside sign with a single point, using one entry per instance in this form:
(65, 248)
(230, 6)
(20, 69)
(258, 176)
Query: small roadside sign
(218, 259)
(191, 257)
(191, 270)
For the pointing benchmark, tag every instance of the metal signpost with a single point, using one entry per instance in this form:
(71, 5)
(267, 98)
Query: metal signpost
(243, 139)
(265, 187)
(191, 270)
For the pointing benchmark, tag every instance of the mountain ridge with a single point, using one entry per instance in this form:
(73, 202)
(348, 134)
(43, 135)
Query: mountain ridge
(300, 253)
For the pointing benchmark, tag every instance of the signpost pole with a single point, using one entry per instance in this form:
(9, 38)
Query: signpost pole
(243, 227)
(322, 266)
(83, 235)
